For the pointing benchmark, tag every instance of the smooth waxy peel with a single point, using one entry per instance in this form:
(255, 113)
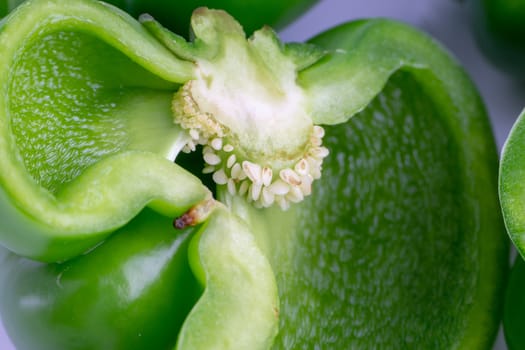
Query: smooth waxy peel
(133, 292)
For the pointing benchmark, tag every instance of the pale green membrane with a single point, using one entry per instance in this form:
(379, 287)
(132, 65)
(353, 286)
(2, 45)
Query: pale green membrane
(382, 257)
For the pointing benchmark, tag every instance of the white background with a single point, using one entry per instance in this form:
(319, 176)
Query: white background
(448, 22)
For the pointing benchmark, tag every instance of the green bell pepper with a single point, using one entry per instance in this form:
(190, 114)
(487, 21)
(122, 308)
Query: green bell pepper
(382, 230)
(511, 192)
(499, 27)
(515, 306)
(175, 15)
(510, 184)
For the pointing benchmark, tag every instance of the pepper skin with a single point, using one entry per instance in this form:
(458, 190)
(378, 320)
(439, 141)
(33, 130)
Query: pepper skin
(132, 292)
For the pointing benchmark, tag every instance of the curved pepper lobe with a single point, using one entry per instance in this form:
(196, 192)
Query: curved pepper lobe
(86, 133)
(239, 308)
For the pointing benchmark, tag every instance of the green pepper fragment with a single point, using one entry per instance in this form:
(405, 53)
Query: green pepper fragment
(511, 194)
(136, 290)
(511, 188)
(240, 307)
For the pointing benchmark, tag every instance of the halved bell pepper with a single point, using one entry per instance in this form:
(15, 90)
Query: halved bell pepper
(323, 231)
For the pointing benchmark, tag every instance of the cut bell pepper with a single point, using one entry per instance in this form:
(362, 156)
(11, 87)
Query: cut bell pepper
(378, 231)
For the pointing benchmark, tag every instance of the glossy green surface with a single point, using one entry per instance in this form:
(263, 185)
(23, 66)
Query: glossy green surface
(132, 292)
(512, 191)
(511, 187)
(136, 290)
(513, 321)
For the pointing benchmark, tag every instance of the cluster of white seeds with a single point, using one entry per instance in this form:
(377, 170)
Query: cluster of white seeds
(259, 184)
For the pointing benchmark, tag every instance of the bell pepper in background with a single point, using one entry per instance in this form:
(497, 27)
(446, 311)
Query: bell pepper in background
(175, 14)
(499, 27)
(354, 184)
(515, 307)
(511, 192)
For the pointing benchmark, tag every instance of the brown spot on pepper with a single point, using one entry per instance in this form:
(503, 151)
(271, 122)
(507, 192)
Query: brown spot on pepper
(195, 215)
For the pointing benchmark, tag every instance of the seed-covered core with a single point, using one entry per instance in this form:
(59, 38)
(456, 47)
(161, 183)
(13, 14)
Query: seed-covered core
(265, 184)
(248, 112)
